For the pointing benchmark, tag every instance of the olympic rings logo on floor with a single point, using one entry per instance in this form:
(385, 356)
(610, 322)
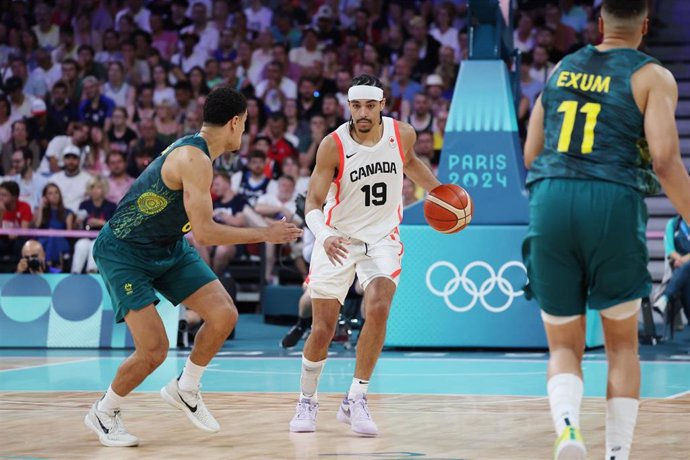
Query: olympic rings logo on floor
(476, 292)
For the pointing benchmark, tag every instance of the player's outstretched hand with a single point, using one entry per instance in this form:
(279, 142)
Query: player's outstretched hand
(335, 249)
(282, 232)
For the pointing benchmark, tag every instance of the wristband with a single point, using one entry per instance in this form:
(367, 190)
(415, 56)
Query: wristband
(316, 222)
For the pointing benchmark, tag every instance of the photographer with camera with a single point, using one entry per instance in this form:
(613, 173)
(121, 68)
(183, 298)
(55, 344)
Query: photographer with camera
(33, 259)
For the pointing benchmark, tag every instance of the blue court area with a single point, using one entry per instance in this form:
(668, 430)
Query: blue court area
(254, 363)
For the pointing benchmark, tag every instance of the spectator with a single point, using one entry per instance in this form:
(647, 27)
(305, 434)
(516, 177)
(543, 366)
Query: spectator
(309, 146)
(72, 180)
(31, 85)
(275, 207)
(528, 85)
(39, 127)
(144, 108)
(149, 139)
(424, 147)
(96, 108)
(285, 34)
(243, 61)
(67, 47)
(119, 181)
(52, 214)
(161, 85)
(258, 16)
(177, 20)
(208, 36)
(252, 183)
(342, 81)
(564, 36)
(70, 76)
(421, 118)
(392, 46)
(188, 57)
(137, 71)
(443, 30)
(33, 258)
(280, 147)
(15, 214)
(433, 88)
(213, 77)
(325, 26)
(30, 184)
(139, 159)
(20, 101)
(306, 54)
(61, 111)
(573, 16)
(45, 70)
(291, 169)
(136, 10)
(330, 109)
(162, 40)
(308, 99)
(85, 34)
(19, 139)
(220, 16)
(524, 34)
(77, 143)
(675, 286)
(198, 83)
(120, 136)
(545, 38)
(5, 122)
(541, 67)
(409, 192)
(48, 34)
(226, 51)
(276, 87)
(227, 209)
(402, 86)
(192, 123)
(261, 56)
(439, 132)
(117, 89)
(256, 119)
(167, 127)
(92, 215)
(95, 163)
(111, 50)
(296, 126)
(428, 46)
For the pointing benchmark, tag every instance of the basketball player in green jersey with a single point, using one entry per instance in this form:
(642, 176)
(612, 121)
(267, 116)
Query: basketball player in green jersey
(589, 173)
(143, 248)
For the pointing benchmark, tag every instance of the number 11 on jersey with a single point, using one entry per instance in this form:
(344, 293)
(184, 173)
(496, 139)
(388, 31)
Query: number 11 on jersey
(569, 108)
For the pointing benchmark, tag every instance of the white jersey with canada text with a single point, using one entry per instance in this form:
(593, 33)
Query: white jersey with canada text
(365, 200)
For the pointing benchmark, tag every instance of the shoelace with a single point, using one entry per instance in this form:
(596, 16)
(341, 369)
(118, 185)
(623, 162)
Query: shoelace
(118, 424)
(304, 410)
(362, 403)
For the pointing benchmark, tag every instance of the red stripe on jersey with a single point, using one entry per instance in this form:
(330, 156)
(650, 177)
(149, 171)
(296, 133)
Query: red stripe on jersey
(399, 214)
(341, 167)
(396, 273)
(397, 139)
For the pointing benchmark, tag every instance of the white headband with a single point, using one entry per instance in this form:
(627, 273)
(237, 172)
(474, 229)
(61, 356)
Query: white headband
(368, 93)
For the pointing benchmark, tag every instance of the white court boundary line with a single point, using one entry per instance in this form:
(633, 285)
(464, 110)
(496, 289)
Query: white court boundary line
(37, 366)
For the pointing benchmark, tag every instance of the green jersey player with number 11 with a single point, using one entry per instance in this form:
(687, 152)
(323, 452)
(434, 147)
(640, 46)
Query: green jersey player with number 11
(590, 169)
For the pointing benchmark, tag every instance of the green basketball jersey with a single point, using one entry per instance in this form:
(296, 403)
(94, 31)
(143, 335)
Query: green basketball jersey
(592, 126)
(150, 213)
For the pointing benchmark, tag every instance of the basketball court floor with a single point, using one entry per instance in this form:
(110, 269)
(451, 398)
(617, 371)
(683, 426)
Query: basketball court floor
(428, 405)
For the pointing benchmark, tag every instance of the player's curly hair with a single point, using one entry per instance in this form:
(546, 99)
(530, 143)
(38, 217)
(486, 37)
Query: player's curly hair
(366, 80)
(625, 9)
(222, 104)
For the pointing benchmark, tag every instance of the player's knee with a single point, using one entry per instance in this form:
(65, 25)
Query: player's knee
(377, 310)
(155, 356)
(322, 331)
(224, 317)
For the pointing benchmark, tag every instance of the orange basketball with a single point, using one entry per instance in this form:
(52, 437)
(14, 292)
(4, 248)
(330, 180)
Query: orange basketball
(448, 208)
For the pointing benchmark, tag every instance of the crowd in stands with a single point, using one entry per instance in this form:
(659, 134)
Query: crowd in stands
(92, 91)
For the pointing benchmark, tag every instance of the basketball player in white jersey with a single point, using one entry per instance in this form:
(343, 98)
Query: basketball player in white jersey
(359, 175)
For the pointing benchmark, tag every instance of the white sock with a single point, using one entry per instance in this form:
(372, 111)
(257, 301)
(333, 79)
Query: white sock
(111, 401)
(191, 376)
(621, 415)
(309, 381)
(357, 387)
(565, 397)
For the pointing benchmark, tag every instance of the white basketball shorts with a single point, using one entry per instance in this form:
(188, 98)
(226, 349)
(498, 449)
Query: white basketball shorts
(367, 261)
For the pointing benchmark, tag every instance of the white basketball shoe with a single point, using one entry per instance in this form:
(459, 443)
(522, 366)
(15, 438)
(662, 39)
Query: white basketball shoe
(109, 427)
(191, 403)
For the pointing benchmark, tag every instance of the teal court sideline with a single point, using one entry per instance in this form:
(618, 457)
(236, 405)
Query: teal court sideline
(254, 363)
